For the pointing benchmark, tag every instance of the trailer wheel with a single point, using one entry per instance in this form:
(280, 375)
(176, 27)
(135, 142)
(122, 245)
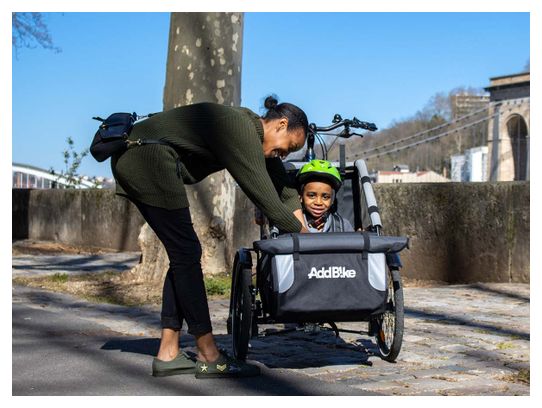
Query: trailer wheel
(389, 326)
(241, 322)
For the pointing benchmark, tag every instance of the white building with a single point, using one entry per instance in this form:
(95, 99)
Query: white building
(404, 177)
(458, 166)
(476, 159)
(25, 176)
(471, 166)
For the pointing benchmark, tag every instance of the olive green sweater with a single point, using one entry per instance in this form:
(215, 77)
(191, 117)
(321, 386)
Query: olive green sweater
(207, 138)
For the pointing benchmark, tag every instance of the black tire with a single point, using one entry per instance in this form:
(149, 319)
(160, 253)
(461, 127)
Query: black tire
(241, 322)
(235, 270)
(390, 325)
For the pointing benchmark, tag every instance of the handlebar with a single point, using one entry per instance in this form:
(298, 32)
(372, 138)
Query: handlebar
(338, 121)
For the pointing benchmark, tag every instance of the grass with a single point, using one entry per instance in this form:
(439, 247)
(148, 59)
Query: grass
(218, 285)
(59, 278)
(523, 376)
(505, 346)
(110, 287)
(49, 281)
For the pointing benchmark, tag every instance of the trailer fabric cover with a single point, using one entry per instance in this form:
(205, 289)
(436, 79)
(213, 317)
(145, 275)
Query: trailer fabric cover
(325, 277)
(332, 242)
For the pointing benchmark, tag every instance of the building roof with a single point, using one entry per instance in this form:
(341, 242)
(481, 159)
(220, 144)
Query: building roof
(400, 173)
(509, 80)
(28, 166)
(47, 174)
(510, 75)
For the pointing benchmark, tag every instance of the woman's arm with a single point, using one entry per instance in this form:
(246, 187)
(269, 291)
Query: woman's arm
(239, 149)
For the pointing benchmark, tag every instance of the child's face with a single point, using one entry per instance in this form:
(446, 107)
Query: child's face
(317, 198)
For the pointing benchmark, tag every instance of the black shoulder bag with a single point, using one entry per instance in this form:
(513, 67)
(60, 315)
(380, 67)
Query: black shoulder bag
(112, 135)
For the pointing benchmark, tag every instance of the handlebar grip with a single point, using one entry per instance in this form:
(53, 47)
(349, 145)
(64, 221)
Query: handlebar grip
(364, 125)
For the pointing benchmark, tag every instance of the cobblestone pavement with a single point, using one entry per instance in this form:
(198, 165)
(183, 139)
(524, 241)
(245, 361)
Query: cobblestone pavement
(459, 340)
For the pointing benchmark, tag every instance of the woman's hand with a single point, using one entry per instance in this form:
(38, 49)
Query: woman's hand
(299, 215)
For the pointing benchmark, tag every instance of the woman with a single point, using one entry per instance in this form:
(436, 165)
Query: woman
(205, 138)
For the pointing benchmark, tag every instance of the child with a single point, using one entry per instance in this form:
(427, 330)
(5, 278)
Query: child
(318, 182)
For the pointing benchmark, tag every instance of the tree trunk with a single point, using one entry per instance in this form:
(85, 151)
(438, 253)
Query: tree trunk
(203, 65)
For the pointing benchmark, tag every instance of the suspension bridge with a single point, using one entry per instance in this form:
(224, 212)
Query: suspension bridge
(495, 136)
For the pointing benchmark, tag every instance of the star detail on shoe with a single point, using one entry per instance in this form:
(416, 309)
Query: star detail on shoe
(204, 368)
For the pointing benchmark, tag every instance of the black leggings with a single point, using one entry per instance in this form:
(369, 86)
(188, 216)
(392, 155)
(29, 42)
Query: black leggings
(184, 292)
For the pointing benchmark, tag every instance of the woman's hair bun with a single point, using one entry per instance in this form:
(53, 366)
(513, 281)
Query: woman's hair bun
(275, 110)
(270, 102)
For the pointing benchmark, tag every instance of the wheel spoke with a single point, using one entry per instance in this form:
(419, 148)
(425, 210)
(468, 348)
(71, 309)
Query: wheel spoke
(389, 325)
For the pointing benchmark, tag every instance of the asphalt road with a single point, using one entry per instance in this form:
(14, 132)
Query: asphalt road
(61, 353)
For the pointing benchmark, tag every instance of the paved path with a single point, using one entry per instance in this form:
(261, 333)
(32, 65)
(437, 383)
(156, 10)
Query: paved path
(40, 265)
(459, 340)
(60, 352)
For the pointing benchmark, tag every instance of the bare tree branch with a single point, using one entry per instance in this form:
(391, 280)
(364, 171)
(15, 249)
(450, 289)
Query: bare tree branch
(29, 30)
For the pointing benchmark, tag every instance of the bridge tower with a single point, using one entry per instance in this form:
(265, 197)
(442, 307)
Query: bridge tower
(509, 127)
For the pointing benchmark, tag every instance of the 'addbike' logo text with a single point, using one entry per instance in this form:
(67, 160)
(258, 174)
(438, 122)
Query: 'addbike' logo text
(333, 272)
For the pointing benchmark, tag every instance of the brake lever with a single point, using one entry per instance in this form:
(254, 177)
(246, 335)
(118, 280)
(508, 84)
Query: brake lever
(345, 133)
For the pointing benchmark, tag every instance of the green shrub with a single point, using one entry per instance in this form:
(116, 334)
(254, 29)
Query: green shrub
(59, 278)
(218, 285)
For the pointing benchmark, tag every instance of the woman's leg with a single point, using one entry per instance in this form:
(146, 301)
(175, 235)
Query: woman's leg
(207, 350)
(184, 294)
(172, 320)
(169, 345)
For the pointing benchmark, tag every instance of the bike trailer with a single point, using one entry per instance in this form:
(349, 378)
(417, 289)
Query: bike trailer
(325, 277)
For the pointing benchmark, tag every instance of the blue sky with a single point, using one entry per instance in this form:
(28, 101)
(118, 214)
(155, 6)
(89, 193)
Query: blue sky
(379, 67)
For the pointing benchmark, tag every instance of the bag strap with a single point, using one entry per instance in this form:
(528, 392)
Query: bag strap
(295, 239)
(366, 245)
(148, 115)
(141, 142)
(134, 115)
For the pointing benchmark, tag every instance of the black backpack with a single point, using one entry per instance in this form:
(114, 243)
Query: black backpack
(112, 135)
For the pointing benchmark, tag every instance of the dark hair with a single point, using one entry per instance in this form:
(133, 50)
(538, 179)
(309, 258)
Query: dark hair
(296, 117)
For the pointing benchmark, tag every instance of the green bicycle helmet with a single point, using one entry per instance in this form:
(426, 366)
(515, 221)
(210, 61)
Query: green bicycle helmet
(319, 169)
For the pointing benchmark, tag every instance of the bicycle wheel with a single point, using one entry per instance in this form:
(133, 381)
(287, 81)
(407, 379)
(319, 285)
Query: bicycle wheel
(390, 325)
(242, 313)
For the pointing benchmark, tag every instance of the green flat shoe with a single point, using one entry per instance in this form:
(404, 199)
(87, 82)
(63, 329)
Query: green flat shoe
(225, 367)
(182, 364)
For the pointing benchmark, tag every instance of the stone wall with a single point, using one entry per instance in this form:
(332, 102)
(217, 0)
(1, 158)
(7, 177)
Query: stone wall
(89, 218)
(459, 232)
